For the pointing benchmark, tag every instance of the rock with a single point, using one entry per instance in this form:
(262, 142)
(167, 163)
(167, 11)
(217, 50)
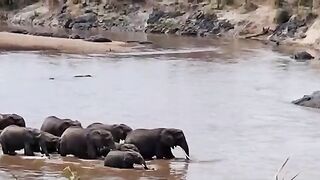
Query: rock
(145, 42)
(97, 38)
(81, 26)
(86, 18)
(19, 31)
(312, 100)
(303, 55)
(75, 36)
(155, 16)
(81, 76)
(282, 16)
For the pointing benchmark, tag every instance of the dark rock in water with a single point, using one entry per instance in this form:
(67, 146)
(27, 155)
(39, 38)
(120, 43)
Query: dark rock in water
(97, 38)
(145, 42)
(19, 31)
(302, 56)
(51, 78)
(312, 100)
(80, 76)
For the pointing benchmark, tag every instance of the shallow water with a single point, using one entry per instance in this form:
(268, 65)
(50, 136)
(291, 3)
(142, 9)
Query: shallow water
(231, 98)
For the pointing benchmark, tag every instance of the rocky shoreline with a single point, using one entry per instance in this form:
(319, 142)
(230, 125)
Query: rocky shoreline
(261, 21)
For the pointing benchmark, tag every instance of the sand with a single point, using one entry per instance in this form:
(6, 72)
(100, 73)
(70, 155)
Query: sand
(21, 42)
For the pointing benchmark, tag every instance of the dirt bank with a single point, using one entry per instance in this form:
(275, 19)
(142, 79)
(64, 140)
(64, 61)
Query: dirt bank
(282, 22)
(12, 41)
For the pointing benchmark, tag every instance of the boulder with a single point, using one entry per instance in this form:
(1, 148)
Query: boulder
(312, 100)
(97, 38)
(303, 55)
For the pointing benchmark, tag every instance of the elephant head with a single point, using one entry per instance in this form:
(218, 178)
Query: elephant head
(132, 157)
(11, 119)
(120, 131)
(174, 137)
(69, 123)
(101, 140)
(127, 147)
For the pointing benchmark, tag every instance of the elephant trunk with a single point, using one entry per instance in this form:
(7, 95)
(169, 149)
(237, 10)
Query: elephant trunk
(184, 145)
(144, 164)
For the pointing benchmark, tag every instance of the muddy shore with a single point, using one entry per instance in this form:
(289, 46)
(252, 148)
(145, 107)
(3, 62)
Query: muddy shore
(263, 21)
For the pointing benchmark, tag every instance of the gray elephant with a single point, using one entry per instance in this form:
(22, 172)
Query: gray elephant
(57, 126)
(120, 147)
(118, 131)
(51, 142)
(124, 159)
(158, 142)
(85, 143)
(14, 138)
(11, 119)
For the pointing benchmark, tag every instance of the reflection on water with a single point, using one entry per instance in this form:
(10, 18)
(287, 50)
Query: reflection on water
(231, 98)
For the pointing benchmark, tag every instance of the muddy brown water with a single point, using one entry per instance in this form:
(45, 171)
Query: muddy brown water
(231, 98)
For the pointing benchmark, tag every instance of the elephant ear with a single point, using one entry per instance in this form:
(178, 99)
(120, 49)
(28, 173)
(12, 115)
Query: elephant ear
(94, 135)
(166, 137)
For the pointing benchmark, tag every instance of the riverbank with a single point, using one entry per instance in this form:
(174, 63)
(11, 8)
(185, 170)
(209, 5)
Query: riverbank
(15, 42)
(279, 24)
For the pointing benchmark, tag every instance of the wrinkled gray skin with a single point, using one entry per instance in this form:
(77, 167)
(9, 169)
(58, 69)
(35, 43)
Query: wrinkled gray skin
(85, 143)
(51, 142)
(11, 119)
(57, 126)
(120, 147)
(124, 159)
(158, 142)
(14, 138)
(312, 100)
(119, 131)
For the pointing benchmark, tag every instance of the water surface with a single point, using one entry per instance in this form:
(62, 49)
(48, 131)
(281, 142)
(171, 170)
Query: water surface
(231, 98)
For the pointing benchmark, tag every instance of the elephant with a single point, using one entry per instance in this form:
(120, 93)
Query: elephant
(57, 126)
(120, 147)
(51, 142)
(158, 142)
(14, 138)
(11, 119)
(118, 131)
(85, 143)
(124, 159)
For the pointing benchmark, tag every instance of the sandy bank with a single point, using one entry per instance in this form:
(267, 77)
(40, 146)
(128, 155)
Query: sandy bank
(16, 42)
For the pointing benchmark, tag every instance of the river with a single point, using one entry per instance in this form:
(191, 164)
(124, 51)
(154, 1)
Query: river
(231, 99)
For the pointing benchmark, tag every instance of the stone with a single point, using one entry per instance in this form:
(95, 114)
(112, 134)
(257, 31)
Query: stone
(97, 38)
(312, 100)
(303, 55)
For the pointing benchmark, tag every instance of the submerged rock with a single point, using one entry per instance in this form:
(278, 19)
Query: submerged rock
(303, 55)
(312, 100)
(97, 38)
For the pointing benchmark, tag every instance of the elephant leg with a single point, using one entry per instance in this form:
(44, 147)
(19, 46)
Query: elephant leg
(167, 153)
(28, 150)
(164, 152)
(4, 149)
(44, 148)
(92, 153)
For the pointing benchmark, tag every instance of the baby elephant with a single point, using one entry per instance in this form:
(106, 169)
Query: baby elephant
(120, 147)
(14, 138)
(124, 159)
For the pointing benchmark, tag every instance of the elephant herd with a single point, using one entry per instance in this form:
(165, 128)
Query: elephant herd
(98, 140)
